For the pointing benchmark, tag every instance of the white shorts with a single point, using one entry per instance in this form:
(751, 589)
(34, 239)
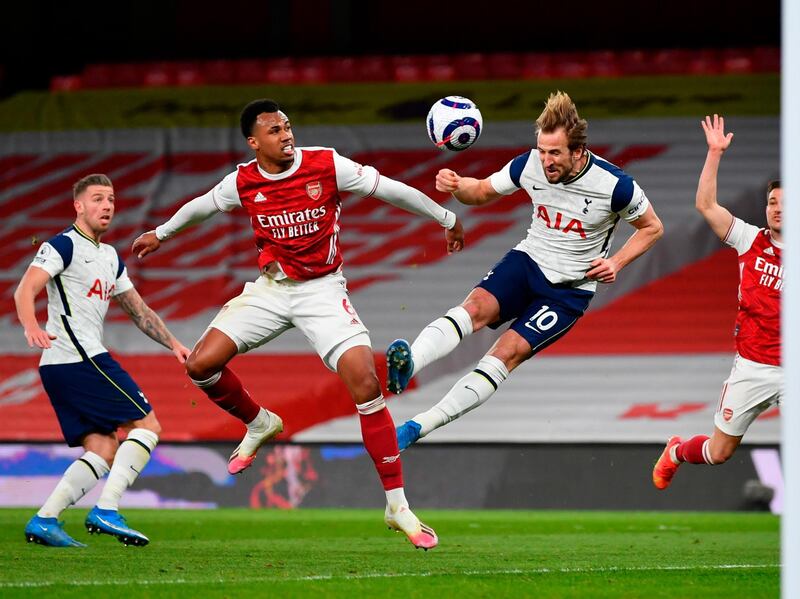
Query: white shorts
(751, 388)
(320, 308)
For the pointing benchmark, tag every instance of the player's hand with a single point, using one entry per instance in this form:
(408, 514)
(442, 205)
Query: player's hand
(180, 351)
(455, 237)
(146, 243)
(40, 338)
(715, 133)
(602, 270)
(447, 181)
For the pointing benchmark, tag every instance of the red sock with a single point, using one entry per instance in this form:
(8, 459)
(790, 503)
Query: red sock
(692, 450)
(380, 441)
(229, 394)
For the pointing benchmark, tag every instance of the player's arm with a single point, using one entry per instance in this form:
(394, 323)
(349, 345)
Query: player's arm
(150, 323)
(648, 230)
(467, 190)
(366, 181)
(223, 198)
(31, 285)
(718, 217)
(412, 200)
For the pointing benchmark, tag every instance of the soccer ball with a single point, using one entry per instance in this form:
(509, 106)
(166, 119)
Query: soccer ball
(454, 123)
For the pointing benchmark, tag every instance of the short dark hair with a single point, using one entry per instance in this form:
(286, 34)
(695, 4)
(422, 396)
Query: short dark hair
(250, 114)
(774, 184)
(94, 179)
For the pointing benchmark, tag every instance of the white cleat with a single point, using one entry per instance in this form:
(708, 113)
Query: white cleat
(243, 456)
(403, 520)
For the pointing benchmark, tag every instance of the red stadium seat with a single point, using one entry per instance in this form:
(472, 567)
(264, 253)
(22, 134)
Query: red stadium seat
(471, 67)
(248, 72)
(407, 68)
(65, 83)
(282, 71)
(503, 66)
(218, 72)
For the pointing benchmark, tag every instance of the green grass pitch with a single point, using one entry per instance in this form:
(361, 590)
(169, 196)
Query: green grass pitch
(350, 553)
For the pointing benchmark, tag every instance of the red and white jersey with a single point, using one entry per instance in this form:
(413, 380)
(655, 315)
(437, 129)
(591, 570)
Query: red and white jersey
(758, 322)
(295, 214)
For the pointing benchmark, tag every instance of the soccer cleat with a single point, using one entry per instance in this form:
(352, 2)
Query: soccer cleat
(400, 365)
(403, 520)
(408, 434)
(111, 522)
(243, 456)
(665, 468)
(49, 531)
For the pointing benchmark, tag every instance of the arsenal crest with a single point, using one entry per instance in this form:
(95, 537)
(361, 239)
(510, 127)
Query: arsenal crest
(314, 190)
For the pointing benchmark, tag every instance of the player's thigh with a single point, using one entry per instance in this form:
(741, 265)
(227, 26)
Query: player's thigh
(255, 316)
(750, 389)
(356, 368)
(323, 313)
(506, 282)
(149, 422)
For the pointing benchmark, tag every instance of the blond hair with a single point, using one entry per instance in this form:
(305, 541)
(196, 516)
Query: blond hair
(94, 179)
(560, 112)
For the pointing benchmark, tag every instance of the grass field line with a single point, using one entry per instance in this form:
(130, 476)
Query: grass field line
(368, 575)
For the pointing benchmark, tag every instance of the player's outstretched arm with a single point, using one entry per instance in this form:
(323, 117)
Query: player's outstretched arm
(467, 190)
(717, 217)
(412, 200)
(192, 212)
(31, 285)
(150, 323)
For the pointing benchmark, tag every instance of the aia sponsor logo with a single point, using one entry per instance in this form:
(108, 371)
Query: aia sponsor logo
(314, 190)
(727, 414)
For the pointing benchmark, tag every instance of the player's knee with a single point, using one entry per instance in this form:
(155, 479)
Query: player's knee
(198, 368)
(720, 455)
(365, 388)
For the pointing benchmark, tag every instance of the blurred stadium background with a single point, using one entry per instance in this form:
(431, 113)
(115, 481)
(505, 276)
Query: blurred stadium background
(152, 96)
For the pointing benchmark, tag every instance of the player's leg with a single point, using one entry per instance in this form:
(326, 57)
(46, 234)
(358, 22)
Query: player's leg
(541, 323)
(439, 338)
(322, 311)
(356, 368)
(64, 384)
(750, 389)
(471, 390)
(500, 296)
(130, 459)
(79, 478)
(247, 321)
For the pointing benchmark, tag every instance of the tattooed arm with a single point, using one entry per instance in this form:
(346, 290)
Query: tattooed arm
(150, 323)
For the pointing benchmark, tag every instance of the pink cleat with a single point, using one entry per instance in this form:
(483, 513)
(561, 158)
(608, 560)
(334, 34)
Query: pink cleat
(403, 520)
(244, 455)
(665, 468)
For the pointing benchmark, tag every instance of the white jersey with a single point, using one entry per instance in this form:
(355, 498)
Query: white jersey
(573, 222)
(85, 275)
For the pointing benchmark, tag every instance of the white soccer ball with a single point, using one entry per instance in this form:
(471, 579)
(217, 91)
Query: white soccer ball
(454, 123)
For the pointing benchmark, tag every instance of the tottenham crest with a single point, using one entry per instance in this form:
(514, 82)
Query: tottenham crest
(314, 190)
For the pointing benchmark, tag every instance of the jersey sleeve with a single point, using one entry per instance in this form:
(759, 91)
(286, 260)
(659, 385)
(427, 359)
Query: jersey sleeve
(355, 178)
(123, 282)
(507, 180)
(741, 235)
(226, 195)
(54, 255)
(628, 199)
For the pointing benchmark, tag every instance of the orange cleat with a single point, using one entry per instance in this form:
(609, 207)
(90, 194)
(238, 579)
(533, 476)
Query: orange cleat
(665, 468)
(403, 520)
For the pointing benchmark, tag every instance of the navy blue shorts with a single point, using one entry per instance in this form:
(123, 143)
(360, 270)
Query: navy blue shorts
(93, 396)
(542, 311)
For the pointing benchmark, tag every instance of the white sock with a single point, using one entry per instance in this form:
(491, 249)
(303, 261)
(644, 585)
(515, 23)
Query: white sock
(80, 478)
(396, 498)
(467, 394)
(260, 422)
(440, 337)
(132, 456)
